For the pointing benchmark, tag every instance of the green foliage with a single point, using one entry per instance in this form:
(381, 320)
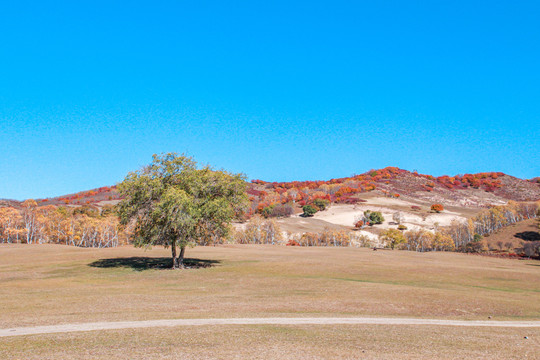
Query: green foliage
(374, 217)
(308, 210)
(477, 237)
(107, 210)
(172, 202)
(267, 211)
(402, 227)
(321, 204)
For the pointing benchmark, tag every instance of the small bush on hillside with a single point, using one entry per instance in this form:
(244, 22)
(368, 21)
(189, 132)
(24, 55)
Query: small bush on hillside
(308, 210)
(402, 227)
(531, 248)
(267, 211)
(414, 207)
(437, 208)
(397, 217)
(475, 246)
(321, 204)
(278, 210)
(375, 217)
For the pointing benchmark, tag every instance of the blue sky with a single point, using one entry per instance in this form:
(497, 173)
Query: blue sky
(279, 90)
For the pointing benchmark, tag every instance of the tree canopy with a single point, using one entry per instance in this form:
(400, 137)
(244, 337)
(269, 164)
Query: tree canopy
(393, 237)
(173, 202)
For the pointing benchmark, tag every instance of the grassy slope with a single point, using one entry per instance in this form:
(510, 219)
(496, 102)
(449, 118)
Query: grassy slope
(514, 232)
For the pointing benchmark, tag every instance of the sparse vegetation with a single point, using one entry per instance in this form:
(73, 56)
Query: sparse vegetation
(330, 238)
(258, 231)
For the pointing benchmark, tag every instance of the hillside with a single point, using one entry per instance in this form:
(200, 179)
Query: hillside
(466, 191)
(465, 205)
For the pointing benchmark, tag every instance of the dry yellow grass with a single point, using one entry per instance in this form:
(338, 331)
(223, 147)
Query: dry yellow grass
(281, 342)
(51, 284)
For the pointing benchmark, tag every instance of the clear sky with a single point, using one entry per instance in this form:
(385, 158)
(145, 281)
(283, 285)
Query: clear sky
(279, 90)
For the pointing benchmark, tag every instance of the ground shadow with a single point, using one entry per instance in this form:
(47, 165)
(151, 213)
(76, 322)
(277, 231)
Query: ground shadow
(528, 235)
(140, 263)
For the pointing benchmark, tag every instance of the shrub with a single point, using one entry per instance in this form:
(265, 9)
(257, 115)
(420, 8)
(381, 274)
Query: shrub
(375, 217)
(265, 212)
(475, 246)
(414, 207)
(321, 203)
(277, 210)
(531, 248)
(402, 227)
(437, 208)
(293, 242)
(308, 210)
(472, 247)
(282, 210)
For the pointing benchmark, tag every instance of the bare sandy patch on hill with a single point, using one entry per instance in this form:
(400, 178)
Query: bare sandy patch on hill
(345, 215)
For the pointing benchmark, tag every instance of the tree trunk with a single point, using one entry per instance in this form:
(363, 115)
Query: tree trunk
(174, 258)
(181, 257)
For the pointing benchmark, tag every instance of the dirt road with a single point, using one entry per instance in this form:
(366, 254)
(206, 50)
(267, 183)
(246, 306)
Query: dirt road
(67, 328)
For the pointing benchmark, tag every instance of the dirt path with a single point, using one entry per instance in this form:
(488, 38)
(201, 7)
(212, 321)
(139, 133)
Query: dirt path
(65, 328)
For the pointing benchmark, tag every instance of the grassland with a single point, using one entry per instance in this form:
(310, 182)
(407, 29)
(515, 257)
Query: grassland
(281, 342)
(52, 284)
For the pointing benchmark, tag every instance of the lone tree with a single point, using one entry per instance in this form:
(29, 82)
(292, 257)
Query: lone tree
(173, 202)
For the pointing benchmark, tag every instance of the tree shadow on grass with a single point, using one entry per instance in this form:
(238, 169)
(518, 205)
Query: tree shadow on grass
(140, 263)
(528, 235)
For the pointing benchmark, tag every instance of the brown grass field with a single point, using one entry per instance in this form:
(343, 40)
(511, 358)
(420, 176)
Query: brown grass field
(53, 284)
(516, 233)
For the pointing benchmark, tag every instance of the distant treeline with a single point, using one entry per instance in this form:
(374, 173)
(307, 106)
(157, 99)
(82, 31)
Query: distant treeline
(84, 226)
(489, 221)
(89, 226)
